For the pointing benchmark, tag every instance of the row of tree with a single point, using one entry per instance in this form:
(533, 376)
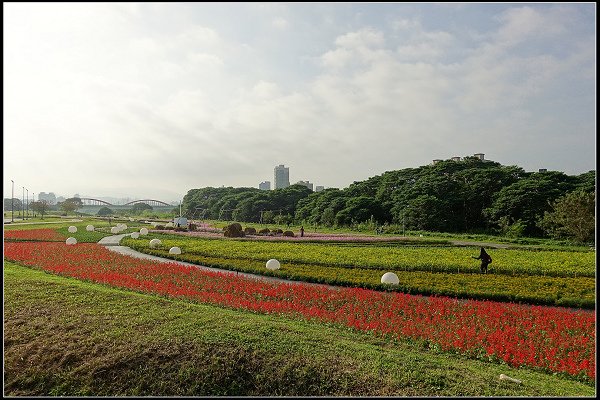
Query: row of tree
(42, 206)
(470, 195)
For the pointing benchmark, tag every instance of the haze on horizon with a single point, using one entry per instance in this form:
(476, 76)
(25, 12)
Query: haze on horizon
(150, 100)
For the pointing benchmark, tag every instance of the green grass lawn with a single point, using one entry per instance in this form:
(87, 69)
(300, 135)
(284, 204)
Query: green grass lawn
(64, 337)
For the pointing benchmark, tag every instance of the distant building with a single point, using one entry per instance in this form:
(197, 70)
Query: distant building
(436, 161)
(455, 158)
(49, 197)
(319, 188)
(543, 170)
(266, 185)
(479, 155)
(282, 177)
(305, 183)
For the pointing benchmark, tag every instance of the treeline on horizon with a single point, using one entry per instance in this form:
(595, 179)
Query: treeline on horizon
(467, 196)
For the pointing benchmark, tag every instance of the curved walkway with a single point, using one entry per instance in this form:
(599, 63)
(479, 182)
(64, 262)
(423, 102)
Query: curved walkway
(112, 243)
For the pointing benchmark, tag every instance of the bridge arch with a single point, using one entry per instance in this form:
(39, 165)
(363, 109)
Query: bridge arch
(94, 202)
(150, 202)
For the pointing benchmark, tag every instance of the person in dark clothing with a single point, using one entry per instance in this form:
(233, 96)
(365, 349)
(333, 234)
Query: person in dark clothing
(301, 231)
(485, 260)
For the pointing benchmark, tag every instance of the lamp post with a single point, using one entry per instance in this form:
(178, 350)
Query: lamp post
(33, 200)
(12, 201)
(23, 204)
(27, 204)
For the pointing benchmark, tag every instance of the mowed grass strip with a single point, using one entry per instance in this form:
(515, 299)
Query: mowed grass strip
(65, 337)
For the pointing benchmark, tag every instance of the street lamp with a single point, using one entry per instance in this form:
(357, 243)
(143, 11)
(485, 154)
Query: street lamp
(12, 201)
(27, 204)
(23, 204)
(33, 199)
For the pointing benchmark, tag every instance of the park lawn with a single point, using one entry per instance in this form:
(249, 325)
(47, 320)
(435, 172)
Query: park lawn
(64, 337)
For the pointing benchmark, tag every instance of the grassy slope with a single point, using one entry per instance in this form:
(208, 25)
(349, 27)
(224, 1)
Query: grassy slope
(66, 337)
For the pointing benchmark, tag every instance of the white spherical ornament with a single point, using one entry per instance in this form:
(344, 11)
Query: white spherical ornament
(273, 264)
(143, 231)
(89, 228)
(135, 235)
(71, 240)
(174, 250)
(114, 230)
(123, 227)
(72, 229)
(154, 243)
(130, 219)
(391, 278)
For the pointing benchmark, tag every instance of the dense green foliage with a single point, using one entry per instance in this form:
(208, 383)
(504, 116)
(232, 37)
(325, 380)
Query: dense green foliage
(572, 215)
(471, 195)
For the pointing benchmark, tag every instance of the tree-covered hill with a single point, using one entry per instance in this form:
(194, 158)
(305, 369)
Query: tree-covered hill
(470, 195)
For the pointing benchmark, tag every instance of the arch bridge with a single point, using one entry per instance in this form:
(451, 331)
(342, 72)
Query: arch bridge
(94, 202)
(97, 202)
(150, 202)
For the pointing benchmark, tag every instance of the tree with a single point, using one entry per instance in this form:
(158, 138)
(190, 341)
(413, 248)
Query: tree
(528, 198)
(359, 209)
(10, 203)
(104, 211)
(70, 205)
(140, 207)
(40, 206)
(572, 216)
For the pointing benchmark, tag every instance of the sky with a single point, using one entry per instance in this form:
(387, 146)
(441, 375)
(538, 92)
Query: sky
(150, 100)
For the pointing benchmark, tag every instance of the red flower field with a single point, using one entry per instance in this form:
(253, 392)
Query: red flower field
(34, 234)
(554, 339)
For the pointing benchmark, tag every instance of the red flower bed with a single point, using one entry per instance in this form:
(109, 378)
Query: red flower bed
(554, 339)
(34, 234)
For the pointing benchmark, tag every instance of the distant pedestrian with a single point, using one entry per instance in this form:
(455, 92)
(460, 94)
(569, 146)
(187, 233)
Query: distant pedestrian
(301, 231)
(485, 260)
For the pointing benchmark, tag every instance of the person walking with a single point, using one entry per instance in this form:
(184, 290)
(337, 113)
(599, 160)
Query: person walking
(485, 260)
(302, 231)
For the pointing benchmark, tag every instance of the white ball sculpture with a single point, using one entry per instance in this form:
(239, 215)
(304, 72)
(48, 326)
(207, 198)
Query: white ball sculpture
(72, 229)
(135, 235)
(114, 230)
(123, 227)
(174, 250)
(130, 219)
(391, 278)
(89, 228)
(143, 231)
(273, 264)
(71, 240)
(154, 243)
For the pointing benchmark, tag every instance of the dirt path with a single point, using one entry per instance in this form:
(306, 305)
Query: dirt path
(480, 244)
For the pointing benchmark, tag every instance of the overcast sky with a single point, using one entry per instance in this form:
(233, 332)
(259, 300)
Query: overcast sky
(152, 100)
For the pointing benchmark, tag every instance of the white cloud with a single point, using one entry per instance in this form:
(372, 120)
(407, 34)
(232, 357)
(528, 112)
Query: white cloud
(280, 23)
(133, 98)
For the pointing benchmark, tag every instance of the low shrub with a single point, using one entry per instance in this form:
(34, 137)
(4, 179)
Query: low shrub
(234, 230)
(250, 230)
(288, 233)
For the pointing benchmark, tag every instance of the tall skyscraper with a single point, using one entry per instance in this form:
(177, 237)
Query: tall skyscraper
(282, 177)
